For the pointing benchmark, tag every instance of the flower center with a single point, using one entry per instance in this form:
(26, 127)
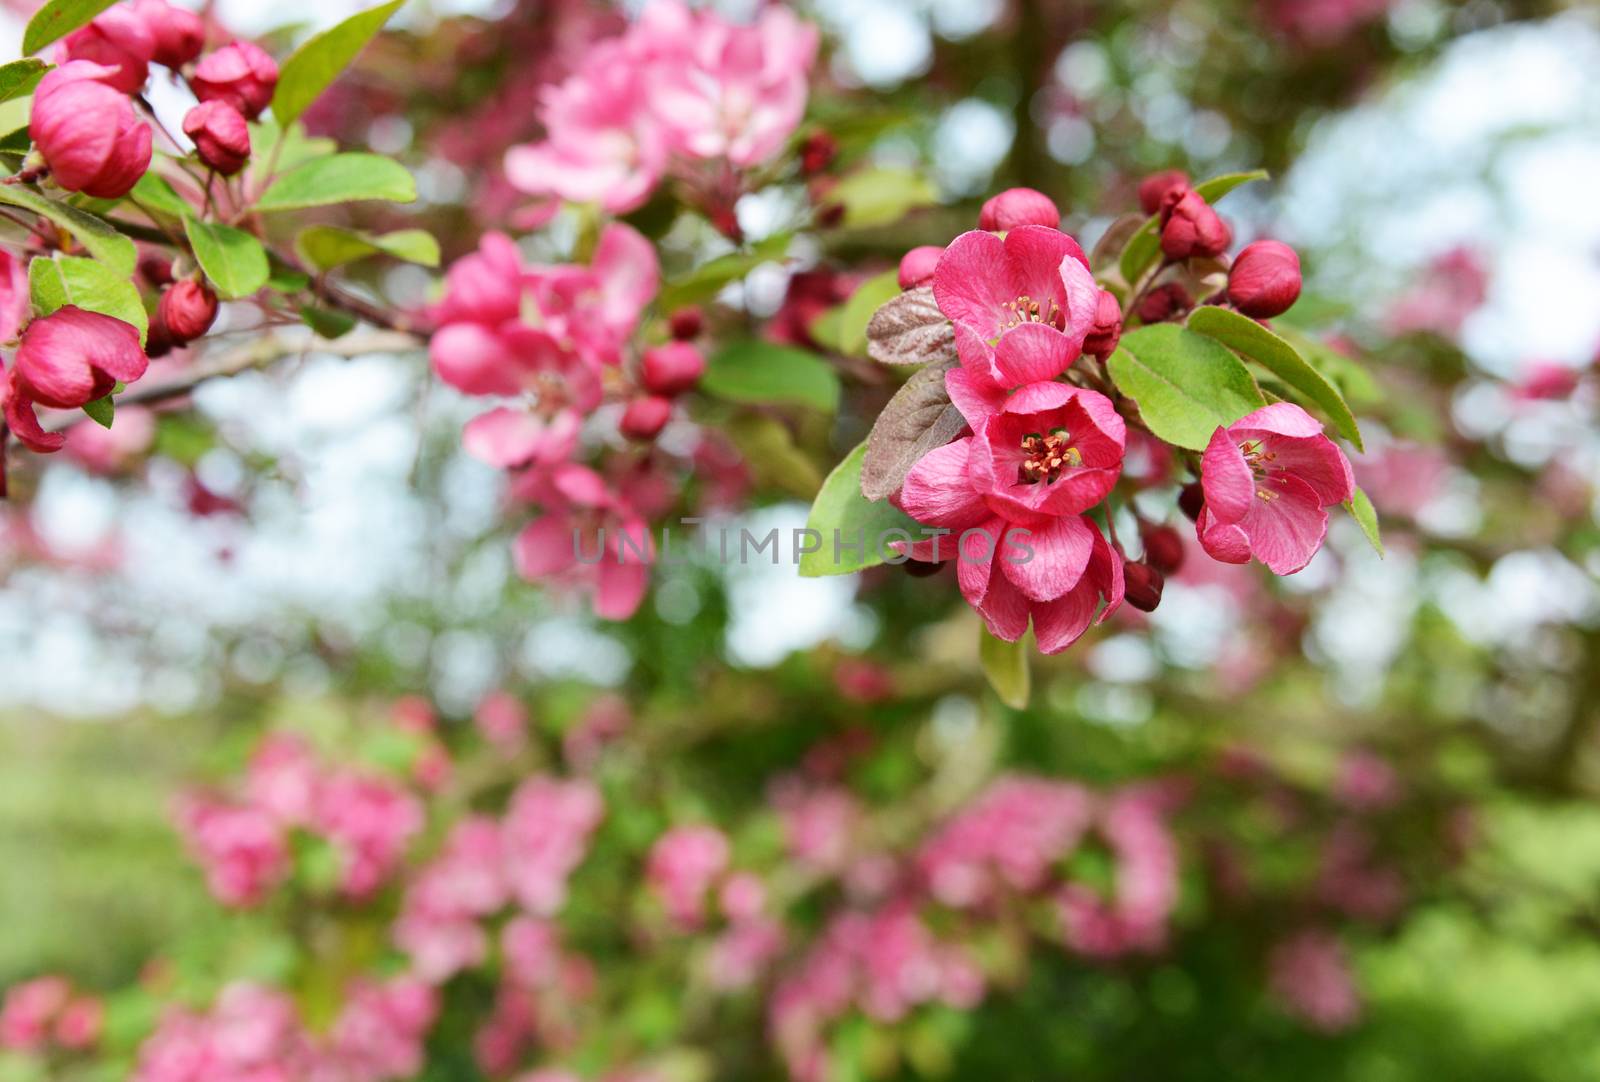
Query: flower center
(1047, 457)
(1027, 310)
(1258, 460)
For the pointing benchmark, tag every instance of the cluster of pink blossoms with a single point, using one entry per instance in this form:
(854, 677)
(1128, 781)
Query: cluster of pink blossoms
(243, 843)
(255, 1034)
(1045, 445)
(45, 1014)
(680, 88)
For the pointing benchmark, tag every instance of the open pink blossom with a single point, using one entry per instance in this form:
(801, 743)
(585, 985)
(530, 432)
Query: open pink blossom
(684, 863)
(729, 91)
(589, 536)
(1267, 479)
(595, 309)
(510, 438)
(1021, 305)
(484, 286)
(514, 359)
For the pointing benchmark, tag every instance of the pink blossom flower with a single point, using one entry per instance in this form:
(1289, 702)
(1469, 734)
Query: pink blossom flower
(80, 1023)
(683, 864)
(510, 438)
(1021, 306)
(119, 39)
(1008, 839)
(369, 821)
(241, 849)
(1311, 978)
(545, 836)
(502, 720)
(1453, 286)
(589, 537)
(1267, 479)
(87, 131)
(1018, 207)
(1135, 917)
(221, 136)
(29, 1010)
(740, 954)
(380, 1029)
(240, 74)
(282, 778)
(178, 34)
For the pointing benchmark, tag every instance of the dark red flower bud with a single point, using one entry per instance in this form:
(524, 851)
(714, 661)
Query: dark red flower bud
(1106, 332)
(1163, 548)
(241, 74)
(1144, 585)
(645, 417)
(157, 340)
(1164, 302)
(921, 569)
(1153, 189)
(1265, 279)
(1018, 206)
(221, 136)
(686, 323)
(1191, 499)
(187, 310)
(155, 268)
(672, 369)
(1189, 227)
(179, 35)
(818, 152)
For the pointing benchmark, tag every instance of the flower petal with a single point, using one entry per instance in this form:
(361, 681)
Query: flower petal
(1226, 479)
(976, 398)
(937, 492)
(1083, 299)
(976, 549)
(1226, 543)
(1033, 352)
(1316, 460)
(1047, 561)
(1287, 531)
(973, 280)
(545, 547)
(1281, 418)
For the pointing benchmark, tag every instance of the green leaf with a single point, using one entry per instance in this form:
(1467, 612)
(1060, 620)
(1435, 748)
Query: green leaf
(1145, 246)
(57, 19)
(296, 148)
(1247, 337)
(1186, 385)
(858, 310)
(284, 278)
(233, 260)
(20, 77)
(102, 411)
(98, 238)
(328, 324)
(156, 193)
(882, 196)
(707, 280)
(1366, 516)
(94, 287)
(317, 63)
(1005, 666)
(327, 246)
(764, 373)
(768, 446)
(340, 178)
(1352, 378)
(840, 511)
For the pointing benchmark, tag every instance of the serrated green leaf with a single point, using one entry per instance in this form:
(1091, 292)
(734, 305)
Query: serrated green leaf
(1005, 666)
(339, 178)
(1186, 384)
(857, 313)
(19, 77)
(57, 19)
(860, 523)
(233, 260)
(1360, 507)
(326, 247)
(97, 236)
(317, 63)
(875, 197)
(102, 411)
(155, 192)
(1145, 246)
(1245, 336)
(87, 284)
(765, 373)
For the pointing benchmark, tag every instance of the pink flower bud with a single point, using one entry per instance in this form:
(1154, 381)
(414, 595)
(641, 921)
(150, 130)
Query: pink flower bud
(1189, 227)
(1143, 584)
(1164, 302)
(117, 38)
(87, 131)
(179, 34)
(645, 417)
(686, 323)
(672, 369)
(1163, 548)
(1192, 500)
(221, 136)
(818, 152)
(1018, 206)
(187, 310)
(71, 357)
(1265, 279)
(241, 74)
(1106, 331)
(1153, 189)
(917, 266)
